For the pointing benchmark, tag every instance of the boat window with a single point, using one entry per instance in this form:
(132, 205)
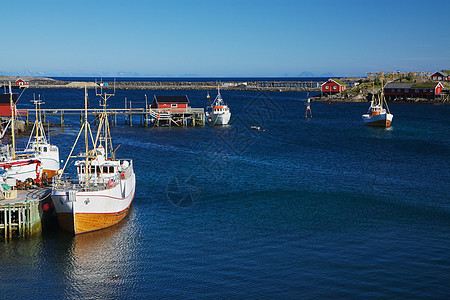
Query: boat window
(111, 169)
(45, 149)
(105, 169)
(98, 169)
(92, 169)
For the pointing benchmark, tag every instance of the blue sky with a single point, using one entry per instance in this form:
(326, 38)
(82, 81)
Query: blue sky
(222, 38)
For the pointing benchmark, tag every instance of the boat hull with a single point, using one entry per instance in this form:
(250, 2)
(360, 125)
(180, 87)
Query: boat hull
(22, 172)
(220, 119)
(84, 211)
(381, 120)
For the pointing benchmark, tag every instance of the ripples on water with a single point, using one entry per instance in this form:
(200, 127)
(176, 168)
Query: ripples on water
(324, 207)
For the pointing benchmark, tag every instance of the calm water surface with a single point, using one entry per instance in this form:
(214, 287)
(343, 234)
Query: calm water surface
(322, 207)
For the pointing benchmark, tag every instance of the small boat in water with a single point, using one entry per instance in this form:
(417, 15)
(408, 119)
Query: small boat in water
(218, 113)
(104, 187)
(15, 164)
(38, 143)
(377, 115)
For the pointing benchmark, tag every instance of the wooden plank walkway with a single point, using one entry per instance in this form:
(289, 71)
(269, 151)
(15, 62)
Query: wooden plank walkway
(149, 116)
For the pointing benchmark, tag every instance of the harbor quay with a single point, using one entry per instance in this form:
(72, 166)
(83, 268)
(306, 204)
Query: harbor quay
(23, 212)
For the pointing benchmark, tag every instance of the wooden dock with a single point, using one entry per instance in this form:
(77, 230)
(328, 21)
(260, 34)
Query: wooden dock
(146, 116)
(23, 216)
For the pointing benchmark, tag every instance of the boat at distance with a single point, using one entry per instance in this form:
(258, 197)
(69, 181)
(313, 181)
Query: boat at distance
(104, 187)
(377, 115)
(218, 113)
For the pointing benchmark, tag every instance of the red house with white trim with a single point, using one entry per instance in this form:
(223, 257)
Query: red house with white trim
(22, 83)
(441, 76)
(333, 86)
(173, 103)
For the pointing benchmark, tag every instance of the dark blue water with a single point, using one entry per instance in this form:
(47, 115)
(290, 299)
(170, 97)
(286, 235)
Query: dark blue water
(309, 208)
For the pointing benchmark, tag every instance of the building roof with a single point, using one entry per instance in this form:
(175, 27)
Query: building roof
(171, 99)
(411, 85)
(426, 85)
(398, 85)
(335, 80)
(443, 73)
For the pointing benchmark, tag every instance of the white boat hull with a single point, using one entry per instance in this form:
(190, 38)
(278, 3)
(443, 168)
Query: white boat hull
(23, 172)
(220, 119)
(83, 211)
(381, 120)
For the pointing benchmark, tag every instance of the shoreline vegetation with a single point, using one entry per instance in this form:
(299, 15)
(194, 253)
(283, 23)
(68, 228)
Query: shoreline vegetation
(360, 89)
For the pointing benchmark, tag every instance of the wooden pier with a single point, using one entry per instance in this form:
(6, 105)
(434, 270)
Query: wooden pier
(146, 116)
(23, 215)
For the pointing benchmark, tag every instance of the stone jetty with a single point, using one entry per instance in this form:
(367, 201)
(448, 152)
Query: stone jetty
(268, 85)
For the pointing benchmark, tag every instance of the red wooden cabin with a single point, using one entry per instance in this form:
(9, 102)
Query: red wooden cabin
(333, 86)
(173, 103)
(441, 76)
(411, 90)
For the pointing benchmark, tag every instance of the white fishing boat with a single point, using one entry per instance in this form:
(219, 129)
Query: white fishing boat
(377, 115)
(104, 187)
(18, 165)
(38, 143)
(218, 113)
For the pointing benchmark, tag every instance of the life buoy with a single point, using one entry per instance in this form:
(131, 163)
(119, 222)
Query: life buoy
(122, 175)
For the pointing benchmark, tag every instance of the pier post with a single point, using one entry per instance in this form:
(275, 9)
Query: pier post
(4, 224)
(9, 221)
(62, 119)
(19, 220)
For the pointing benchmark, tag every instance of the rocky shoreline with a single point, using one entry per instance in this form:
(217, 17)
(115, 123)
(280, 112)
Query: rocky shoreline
(261, 86)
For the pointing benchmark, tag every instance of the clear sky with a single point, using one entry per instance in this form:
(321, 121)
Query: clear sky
(222, 38)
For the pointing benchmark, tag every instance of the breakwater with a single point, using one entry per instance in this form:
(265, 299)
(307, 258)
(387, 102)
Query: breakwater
(287, 86)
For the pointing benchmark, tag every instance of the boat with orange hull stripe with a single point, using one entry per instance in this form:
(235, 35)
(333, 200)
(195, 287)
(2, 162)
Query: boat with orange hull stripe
(104, 190)
(377, 115)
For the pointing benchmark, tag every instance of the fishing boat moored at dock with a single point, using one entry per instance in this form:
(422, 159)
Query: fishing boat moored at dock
(104, 187)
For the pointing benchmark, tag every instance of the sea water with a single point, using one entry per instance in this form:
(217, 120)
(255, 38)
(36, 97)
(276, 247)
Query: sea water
(303, 208)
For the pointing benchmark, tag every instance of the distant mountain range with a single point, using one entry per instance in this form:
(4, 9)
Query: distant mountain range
(309, 74)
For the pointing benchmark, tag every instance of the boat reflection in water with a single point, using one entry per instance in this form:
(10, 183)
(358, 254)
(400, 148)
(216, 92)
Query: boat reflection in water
(99, 262)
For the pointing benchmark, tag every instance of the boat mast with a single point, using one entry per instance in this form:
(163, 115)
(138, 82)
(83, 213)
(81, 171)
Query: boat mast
(104, 118)
(13, 115)
(86, 141)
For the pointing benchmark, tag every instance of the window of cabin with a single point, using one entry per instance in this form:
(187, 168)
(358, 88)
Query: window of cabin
(334, 87)
(111, 170)
(105, 169)
(174, 105)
